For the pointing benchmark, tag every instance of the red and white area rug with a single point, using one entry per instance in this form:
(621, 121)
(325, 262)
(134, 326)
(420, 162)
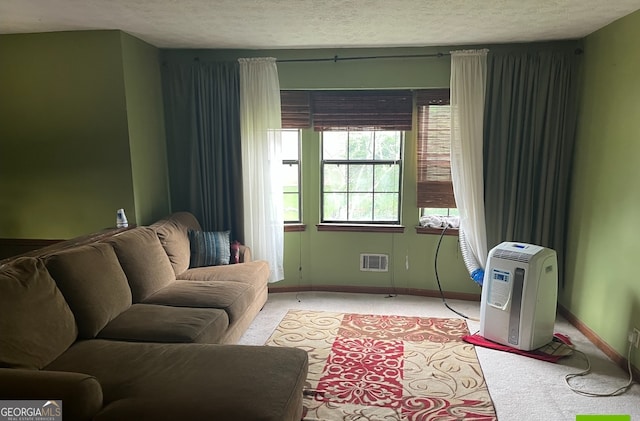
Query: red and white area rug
(384, 368)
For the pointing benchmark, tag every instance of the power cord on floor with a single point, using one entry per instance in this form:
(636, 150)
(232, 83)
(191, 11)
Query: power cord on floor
(299, 283)
(435, 264)
(394, 293)
(616, 392)
(299, 266)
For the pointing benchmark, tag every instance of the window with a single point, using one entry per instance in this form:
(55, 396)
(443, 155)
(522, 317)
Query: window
(434, 185)
(361, 176)
(439, 211)
(291, 175)
(361, 157)
(295, 112)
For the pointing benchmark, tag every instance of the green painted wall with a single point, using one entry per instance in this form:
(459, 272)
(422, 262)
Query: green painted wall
(332, 258)
(81, 133)
(602, 288)
(427, 72)
(64, 154)
(147, 140)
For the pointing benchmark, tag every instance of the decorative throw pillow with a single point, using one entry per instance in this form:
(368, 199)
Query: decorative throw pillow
(209, 248)
(235, 252)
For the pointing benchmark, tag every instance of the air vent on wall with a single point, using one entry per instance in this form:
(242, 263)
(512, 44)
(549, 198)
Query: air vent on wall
(374, 262)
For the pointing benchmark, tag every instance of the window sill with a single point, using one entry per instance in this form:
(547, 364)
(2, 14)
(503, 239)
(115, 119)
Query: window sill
(295, 227)
(436, 231)
(361, 228)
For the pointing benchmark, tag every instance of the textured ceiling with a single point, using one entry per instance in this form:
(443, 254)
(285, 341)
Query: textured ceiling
(262, 24)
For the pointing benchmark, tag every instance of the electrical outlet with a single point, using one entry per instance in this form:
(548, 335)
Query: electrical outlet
(636, 336)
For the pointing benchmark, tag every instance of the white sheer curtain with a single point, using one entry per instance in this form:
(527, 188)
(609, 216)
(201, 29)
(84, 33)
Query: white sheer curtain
(261, 161)
(468, 81)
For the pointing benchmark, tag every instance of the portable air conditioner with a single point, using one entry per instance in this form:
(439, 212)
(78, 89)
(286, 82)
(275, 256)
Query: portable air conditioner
(519, 295)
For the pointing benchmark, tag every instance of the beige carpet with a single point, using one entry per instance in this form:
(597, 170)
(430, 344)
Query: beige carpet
(521, 388)
(381, 367)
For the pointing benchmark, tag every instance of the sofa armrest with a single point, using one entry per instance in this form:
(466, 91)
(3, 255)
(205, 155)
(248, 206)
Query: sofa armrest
(244, 254)
(81, 394)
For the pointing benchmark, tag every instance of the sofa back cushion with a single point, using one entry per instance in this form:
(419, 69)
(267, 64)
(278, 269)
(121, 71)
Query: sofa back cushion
(93, 283)
(173, 236)
(144, 261)
(36, 324)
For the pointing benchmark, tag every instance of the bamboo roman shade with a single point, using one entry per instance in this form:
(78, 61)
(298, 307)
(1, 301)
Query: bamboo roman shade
(434, 185)
(295, 109)
(385, 110)
(344, 110)
(425, 97)
(362, 110)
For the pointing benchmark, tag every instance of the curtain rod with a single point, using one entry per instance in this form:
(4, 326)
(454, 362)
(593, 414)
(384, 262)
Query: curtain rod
(336, 58)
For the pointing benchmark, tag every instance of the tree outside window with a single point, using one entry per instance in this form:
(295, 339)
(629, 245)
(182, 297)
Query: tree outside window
(291, 175)
(361, 176)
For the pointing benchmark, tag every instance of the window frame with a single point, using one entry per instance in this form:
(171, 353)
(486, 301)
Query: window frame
(373, 162)
(444, 194)
(431, 190)
(379, 109)
(297, 162)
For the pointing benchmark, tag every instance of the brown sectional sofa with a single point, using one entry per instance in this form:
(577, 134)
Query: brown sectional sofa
(123, 329)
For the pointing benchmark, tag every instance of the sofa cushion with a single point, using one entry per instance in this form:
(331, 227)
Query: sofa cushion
(155, 323)
(36, 324)
(232, 297)
(254, 273)
(93, 283)
(192, 381)
(172, 232)
(175, 241)
(143, 260)
(81, 394)
(209, 248)
(187, 220)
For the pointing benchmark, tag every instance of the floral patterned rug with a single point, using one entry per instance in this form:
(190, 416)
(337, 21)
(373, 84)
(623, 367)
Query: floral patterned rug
(384, 368)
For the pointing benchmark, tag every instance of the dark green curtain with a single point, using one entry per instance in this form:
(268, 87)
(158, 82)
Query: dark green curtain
(202, 109)
(529, 136)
